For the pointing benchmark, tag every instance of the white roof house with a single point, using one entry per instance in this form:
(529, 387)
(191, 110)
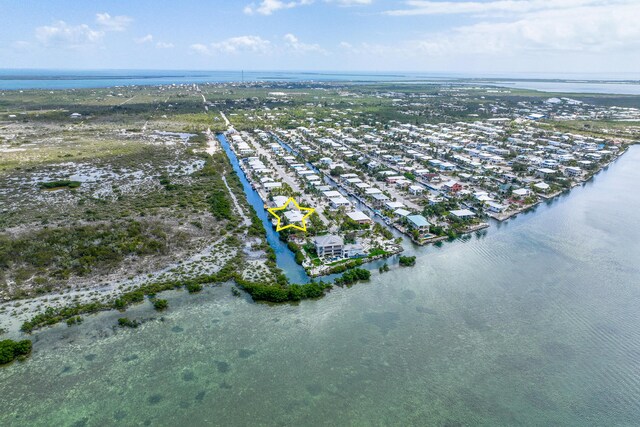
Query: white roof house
(546, 171)
(401, 212)
(394, 205)
(496, 207)
(293, 215)
(541, 186)
(332, 193)
(415, 189)
(279, 200)
(359, 216)
(268, 186)
(521, 192)
(329, 245)
(462, 213)
(340, 201)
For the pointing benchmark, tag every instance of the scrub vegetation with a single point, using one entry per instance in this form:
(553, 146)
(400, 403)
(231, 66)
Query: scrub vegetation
(11, 350)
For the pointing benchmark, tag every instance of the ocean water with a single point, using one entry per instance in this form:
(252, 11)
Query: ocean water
(69, 79)
(23, 79)
(626, 88)
(532, 322)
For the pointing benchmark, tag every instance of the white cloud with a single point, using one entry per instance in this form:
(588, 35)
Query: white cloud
(63, 35)
(582, 29)
(234, 45)
(380, 51)
(292, 43)
(113, 23)
(200, 48)
(146, 39)
(242, 44)
(350, 2)
(582, 38)
(163, 45)
(426, 7)
(267, 7)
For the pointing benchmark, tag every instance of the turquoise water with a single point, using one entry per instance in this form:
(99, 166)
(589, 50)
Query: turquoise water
(11, 79)
(533, 322)
(14, 79)
(574, 87)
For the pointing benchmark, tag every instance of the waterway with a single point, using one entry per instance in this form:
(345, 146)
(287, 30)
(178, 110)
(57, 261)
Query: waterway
(583, 87)
(533, 322)
(284, 257)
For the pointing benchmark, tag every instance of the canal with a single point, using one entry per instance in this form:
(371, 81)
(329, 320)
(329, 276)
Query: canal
(284, 257)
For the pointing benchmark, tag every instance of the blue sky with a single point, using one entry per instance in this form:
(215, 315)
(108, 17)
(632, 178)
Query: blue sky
(473, 36)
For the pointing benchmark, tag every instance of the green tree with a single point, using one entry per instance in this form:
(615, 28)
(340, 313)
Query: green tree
(160, 304)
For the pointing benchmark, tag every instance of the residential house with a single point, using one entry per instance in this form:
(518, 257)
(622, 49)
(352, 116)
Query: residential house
(339, 202)
(353, 250)
(541, 186)
(359, 217)
(452, 186)
(418, 222)
(379, 199)
(496, 207)
(270, 186)
(572, 171)
(393, 205)
(544, 172)
(401, 213)
(415, 189)
(462, 214)
(329, 246)
(521, 192)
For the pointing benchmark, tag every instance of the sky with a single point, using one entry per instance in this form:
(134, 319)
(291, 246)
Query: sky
(554, 37)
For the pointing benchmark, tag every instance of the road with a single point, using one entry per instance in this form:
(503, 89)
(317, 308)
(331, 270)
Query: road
(226, 121)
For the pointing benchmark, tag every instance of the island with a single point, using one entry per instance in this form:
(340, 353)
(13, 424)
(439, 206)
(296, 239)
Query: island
(112, 196)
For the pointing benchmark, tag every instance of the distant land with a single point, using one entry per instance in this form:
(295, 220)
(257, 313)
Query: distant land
(22, 79)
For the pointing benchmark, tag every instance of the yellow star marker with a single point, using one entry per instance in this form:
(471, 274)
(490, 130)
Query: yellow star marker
(302, 227)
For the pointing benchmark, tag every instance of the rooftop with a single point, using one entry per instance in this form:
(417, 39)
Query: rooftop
(462, 213)
(328, 240)
(418, 220)
(358, 216)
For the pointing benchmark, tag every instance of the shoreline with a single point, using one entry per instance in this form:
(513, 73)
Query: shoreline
(15, 311)
(59, 80)
(29, 306)
(553, 196)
